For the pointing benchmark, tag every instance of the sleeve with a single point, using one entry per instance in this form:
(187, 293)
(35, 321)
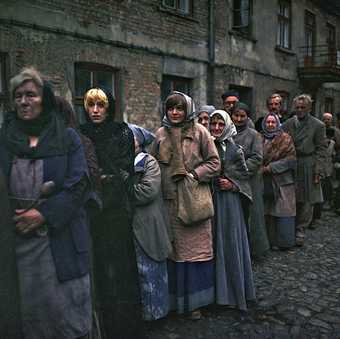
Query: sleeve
(255, 157)
(61, 207)
(211, 165)
(146, 190)
(320, 150)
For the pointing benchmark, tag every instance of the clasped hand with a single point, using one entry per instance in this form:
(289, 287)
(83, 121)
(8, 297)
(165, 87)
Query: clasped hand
(28, 221)
(225, 184)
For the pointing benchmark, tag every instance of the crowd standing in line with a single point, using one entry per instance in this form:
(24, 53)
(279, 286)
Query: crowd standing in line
(114, 225)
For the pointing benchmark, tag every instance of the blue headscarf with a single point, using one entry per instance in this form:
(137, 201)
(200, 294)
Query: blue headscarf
(142, 135)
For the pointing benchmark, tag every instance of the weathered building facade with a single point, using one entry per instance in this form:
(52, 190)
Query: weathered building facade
(144, 49)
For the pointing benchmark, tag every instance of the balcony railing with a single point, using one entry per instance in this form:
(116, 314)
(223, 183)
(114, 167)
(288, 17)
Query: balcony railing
(319, 56)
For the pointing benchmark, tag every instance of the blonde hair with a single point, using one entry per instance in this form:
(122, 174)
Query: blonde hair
(93, 95)
(26, 74)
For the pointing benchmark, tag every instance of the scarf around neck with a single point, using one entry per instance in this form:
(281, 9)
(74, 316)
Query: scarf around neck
(271, 134)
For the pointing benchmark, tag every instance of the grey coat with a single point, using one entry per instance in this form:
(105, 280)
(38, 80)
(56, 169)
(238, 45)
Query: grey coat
(309, 138)
(150, 224)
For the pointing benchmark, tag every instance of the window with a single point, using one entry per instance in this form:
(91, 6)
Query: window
(310, 29)
(331, 44)
(284, 19)
(329, 105)
(4, 97)
(242, 16)
(172, 83)
(182, 6)
(89, 75)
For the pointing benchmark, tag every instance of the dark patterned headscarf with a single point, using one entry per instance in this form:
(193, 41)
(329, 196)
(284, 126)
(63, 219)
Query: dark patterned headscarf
(271, 134)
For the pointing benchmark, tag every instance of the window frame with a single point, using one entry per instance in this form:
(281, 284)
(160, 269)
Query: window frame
(177, 8)
(243, 29)
(92, 68)
(284, 22)
(310, 28)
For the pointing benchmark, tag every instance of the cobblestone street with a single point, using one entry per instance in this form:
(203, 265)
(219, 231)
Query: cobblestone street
(298, 296)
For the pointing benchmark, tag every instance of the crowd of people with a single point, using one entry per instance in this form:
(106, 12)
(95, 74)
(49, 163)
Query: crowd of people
(107, 225)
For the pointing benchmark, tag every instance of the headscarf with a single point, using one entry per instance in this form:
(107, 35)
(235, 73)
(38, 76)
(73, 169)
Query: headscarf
(142, 135)
(206, 108)
(271, 134)
(190, 111)
(229, 128)
(48, 126)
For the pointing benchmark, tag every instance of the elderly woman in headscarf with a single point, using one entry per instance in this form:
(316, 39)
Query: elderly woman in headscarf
(46, 172)
(115, 267)
(150, 228)
(233, 272)
(279, 162)
(184, 148)
(251, 142)
(203, 115)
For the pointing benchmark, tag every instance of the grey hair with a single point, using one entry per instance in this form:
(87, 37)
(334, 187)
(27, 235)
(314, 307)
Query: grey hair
(26, 74)
(306, 98)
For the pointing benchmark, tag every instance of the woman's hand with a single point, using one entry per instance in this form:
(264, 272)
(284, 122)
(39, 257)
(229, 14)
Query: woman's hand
(28, 221)
(224, 184)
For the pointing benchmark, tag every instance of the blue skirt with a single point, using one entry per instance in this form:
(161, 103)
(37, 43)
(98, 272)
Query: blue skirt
(191, 285)
(153, 282)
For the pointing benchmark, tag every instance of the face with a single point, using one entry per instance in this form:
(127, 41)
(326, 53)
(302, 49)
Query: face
(239, 117)
(229, 103)
(97, 111)
(327, 119)
(28, 101)
(217, 125)
(301, 109)
(176, 114)
(203, 119)
(274, 105)
(271, 123)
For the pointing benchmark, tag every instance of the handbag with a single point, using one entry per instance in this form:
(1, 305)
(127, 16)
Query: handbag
(195, 202)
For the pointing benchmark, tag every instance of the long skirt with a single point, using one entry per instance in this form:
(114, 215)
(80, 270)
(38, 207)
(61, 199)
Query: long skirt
(50, 309)
(153, 282)
(281, 231)
(191, 285)
(234, 276)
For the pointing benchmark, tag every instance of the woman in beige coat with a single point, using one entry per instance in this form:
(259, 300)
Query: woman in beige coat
(185, 148)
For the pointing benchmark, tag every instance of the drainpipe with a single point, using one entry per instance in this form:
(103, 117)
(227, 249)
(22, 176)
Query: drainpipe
(211, 55)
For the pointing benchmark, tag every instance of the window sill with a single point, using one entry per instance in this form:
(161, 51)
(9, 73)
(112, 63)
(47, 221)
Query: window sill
(179, 14)
(245, 36)
(284, 50)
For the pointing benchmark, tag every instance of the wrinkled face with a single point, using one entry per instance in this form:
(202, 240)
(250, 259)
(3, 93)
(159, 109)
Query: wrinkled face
(217, 126)
(203, 119)
(274, 105)
(176, 114)
(301, 109)
(271, 123)
(239, 117)
(97, 111)
(28, 101)
(229, 103)
(327, 119)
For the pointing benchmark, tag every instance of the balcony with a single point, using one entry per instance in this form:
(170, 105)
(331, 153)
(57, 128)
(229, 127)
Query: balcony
(317, 65)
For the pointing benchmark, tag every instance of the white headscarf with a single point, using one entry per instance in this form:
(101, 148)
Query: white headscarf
(229, 128)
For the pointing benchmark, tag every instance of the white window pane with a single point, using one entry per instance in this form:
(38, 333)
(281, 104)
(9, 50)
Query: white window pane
(286, 35)
(184, 6)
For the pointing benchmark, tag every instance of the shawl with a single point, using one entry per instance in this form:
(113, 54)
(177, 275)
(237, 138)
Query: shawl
(271, 134)
(277, 148)
(142, 135)
(206, 108)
